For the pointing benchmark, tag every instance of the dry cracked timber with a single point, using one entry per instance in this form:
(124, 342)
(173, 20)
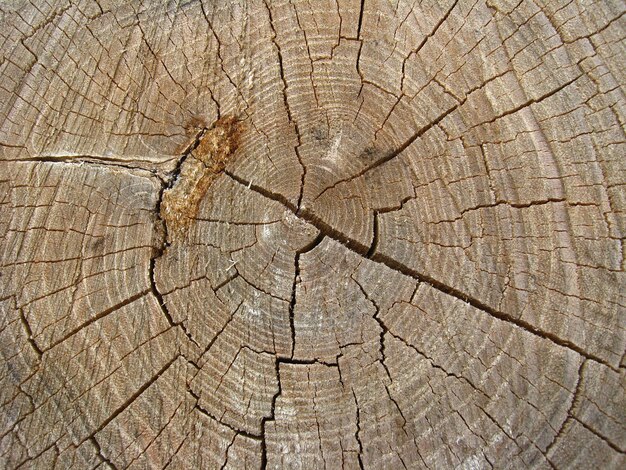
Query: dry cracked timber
(326, 234)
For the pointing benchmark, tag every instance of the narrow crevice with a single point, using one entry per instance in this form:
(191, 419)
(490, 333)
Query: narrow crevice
(499, 202)
(498, 425)
(303, 177)
(419, 47)
(313, 244)
(326, 229)
(133, 397)
(192, 363)
(397, 207)
(296, 279)
(421, 131)
(361, 12)
(383, 331)
(197, 398)
(263, 192)
(99, 316)
(485, 445)
(226, 281)
(173, 176)
(221, 61)
(381, 324)
(357, 67)
(57, 452)
(599, 435)
(376, 223)
(28, 458)
(358, 431)
(217, 335)
(165, 185)
(292, 303)
(175, 453)
(257, 288)
(453, 292)
(290, 117)
(537, 202)
(262, 436)
(434, 365)
(530, 102)
(271, 417)
(374, 244)
(305, 215)
(150, 167)
(305, 362)
(230, 444)
(576, 399)
(157, 57)
(29, 334)
(53, 19)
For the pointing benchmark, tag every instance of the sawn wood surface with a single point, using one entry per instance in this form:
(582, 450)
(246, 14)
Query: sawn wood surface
(312, 234)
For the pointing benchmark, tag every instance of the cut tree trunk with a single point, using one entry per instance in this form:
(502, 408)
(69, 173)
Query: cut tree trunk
(325, 234)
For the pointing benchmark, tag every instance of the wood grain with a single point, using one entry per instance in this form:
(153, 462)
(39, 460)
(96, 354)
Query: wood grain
(325, 234)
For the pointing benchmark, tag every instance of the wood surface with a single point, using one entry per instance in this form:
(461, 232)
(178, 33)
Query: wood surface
(312, 234)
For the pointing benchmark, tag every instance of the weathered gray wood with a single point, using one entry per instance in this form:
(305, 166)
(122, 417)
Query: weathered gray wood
(328, 234)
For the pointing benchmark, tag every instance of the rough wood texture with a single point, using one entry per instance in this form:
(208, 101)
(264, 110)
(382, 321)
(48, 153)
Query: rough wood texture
(326, 234)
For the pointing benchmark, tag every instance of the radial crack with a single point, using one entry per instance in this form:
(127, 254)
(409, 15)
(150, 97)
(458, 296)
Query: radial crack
(286, 103)
(99, 316)
(134, 397)
(296, 279)
(29, 334)
(358, 431)
(402, 268)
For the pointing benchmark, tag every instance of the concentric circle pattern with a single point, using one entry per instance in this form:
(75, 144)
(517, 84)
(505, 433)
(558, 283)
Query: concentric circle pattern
(404, 249)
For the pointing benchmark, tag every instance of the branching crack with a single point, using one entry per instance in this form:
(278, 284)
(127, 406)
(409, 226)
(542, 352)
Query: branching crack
(205, 412)
(397, 266)
(604, 438)
(421, 131)
(271, 417)
(166, 186)
(101, 456)
(393, 154)
(161, 301)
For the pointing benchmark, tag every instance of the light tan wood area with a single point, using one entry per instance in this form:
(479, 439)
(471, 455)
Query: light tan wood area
(312, 234)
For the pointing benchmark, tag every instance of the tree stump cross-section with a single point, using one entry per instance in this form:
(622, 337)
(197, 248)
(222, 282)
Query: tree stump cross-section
(324, 234)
